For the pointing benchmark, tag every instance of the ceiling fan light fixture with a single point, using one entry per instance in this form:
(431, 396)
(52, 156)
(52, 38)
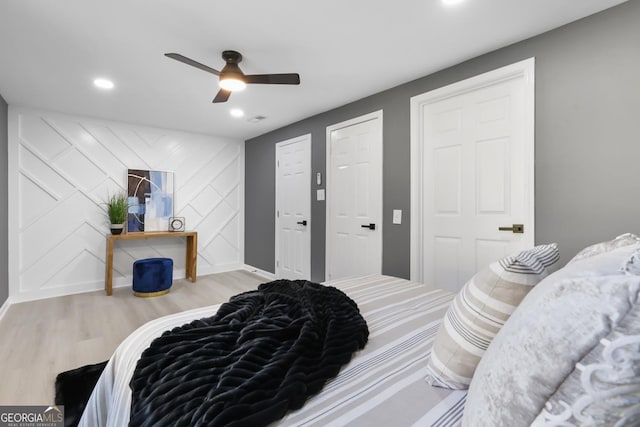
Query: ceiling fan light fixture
(232, 84)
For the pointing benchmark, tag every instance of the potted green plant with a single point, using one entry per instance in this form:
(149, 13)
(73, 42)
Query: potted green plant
(117, 209)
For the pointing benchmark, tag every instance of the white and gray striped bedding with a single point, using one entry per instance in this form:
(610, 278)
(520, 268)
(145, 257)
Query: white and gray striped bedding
(382, 385)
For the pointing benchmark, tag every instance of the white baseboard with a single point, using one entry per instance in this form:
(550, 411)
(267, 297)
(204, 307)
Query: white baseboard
(4, 308)
(218, 269)
(61, 291)
(259, 272)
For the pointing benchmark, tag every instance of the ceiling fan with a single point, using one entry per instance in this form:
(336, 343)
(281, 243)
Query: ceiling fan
(232, 78)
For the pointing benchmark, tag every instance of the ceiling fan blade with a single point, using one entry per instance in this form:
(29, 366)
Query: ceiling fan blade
(273, 79)
(222, 96)
(191, 62)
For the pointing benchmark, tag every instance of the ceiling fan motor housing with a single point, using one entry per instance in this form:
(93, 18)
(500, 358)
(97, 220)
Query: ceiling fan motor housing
(231, 71)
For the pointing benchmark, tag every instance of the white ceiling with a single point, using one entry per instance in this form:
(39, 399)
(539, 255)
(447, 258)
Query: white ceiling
(344, 50)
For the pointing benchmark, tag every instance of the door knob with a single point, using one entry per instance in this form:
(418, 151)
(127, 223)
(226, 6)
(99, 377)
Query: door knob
(302, 222)
(516, 228)
(369, 226)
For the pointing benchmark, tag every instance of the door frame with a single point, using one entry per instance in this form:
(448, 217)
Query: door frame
(376, 115)
(523, 69)
(302, 138)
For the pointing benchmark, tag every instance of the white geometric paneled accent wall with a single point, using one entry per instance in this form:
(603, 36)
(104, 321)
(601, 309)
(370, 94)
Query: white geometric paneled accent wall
(62, 169)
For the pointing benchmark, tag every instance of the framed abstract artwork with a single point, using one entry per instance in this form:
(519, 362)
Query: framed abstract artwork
(150, 196)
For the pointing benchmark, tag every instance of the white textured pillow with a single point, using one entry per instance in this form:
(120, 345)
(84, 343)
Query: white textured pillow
(602, 247)
(478, 312)
(556, 325)
(603, 388)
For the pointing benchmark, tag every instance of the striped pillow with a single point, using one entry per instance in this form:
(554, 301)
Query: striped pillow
(478, 312)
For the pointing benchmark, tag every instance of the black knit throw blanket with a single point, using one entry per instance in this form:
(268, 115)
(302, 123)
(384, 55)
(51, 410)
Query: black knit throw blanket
(264, 353)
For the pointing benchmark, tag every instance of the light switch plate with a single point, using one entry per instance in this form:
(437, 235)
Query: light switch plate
(320, 194)
(397, 216)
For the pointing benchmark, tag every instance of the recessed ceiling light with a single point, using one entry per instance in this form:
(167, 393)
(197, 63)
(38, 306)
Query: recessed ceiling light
(236, 112)
(451, 2)
(103, 84)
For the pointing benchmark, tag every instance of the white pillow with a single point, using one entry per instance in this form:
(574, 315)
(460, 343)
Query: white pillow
(603, 388)
(602, 247)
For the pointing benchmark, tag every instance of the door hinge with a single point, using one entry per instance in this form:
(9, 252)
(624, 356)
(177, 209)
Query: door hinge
(278, 214)
(278, 163)
(277, 263)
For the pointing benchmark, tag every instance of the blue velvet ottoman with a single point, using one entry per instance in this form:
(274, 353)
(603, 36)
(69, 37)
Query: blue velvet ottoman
(152, 277)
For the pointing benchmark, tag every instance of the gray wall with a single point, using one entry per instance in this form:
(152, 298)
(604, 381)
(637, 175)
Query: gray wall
(4, 244)
(587, 143)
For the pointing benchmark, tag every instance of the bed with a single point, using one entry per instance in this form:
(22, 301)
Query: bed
(403, 318)
(533, 347)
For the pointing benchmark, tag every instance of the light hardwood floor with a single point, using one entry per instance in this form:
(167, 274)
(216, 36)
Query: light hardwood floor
(40, 339)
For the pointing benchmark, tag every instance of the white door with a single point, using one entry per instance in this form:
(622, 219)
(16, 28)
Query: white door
(476, 149)
(293, 208)
(354, 197)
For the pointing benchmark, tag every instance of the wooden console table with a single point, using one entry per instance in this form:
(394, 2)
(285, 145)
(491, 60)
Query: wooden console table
(191, 260)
